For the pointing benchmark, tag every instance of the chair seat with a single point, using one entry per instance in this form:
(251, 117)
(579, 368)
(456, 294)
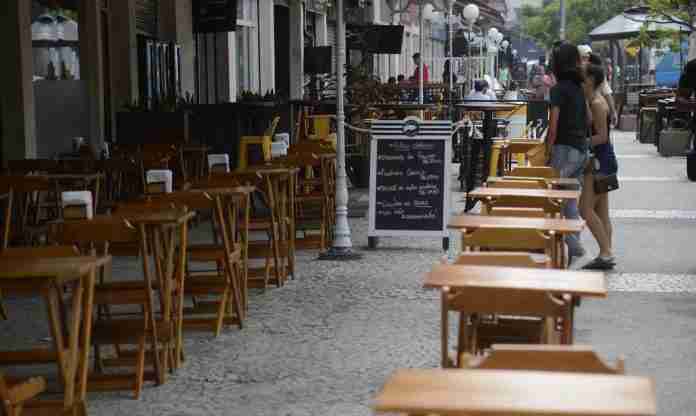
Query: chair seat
(120, 293)
(128, 331)
(256, 224)
(211, 252)
(205, 284)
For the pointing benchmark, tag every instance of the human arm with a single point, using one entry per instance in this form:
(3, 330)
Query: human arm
(608, 95)
(553, 131)
(600, 111)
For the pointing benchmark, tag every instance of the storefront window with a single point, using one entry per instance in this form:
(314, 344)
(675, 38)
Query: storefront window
(246, 56)
(55, 41)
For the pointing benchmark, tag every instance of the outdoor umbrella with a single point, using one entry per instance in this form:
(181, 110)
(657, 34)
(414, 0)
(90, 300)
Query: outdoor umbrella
(629, 23)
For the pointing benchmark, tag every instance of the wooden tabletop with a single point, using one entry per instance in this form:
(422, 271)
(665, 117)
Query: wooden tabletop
(45, 269)
(475, 221)
(577, 283)
(268, 170)
(405, 106)
(242, 189)
(514, 393)
(557, 194)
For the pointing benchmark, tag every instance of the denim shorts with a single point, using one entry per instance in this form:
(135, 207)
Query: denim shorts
(568, 160)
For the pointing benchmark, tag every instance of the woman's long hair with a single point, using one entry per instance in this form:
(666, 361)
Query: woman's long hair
(595, 72)
(565, 63)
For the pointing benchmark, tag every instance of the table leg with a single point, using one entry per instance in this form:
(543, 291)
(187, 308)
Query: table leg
(151, 322)
(444, 293)
(51, 297)
(87, 305)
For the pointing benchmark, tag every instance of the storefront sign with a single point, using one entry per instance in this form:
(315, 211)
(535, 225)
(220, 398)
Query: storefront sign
(210, 16)
(409, 178)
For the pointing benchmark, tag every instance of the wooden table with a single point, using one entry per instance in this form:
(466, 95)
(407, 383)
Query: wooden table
(515, 393)
(554, 228)
(47, 277)
(449, 277)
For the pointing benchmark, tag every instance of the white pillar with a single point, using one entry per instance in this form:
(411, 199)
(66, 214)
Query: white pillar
(17, 97)
(267, 46)
(185, 39)
(296, 49)
(322, 28)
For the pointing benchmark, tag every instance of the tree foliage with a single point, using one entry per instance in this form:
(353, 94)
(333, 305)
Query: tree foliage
(543, 24)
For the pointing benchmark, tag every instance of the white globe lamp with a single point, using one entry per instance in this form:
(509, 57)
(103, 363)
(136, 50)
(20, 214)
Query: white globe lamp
(505, 44)
(428, 12)
(492, 33)
(470, 13)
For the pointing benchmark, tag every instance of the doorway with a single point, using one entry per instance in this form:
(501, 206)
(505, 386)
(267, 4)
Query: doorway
(282, 50)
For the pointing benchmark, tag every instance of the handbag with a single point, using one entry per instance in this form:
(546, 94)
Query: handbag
(603, 182)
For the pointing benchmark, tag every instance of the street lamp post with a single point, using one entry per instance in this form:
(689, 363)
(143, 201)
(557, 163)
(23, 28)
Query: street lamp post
(470, 13)
(341, 248)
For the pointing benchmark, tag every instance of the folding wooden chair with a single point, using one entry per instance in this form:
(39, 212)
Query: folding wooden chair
(226, 280)
(520, 206)
(128, 315)
(505, 326)
(263, 140)
(14, 396)
(562, 358)
(27, 214)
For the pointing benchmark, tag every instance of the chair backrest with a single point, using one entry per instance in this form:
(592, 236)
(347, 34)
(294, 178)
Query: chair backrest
(13, 397)
(563, 358)
(270, 131)
(535, 171)
(103, 229)
(46, 251)
(25, 166)
(517, 184)
(506, 240)
(481, 300)
(502, 258)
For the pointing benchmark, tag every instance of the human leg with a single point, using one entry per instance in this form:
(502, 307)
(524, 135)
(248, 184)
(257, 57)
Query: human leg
(588, 202)
(570, 163)
(602, 210)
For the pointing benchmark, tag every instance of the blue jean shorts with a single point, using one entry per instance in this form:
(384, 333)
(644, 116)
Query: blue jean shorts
(569, 161)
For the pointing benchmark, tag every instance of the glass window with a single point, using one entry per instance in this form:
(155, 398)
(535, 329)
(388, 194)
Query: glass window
(55, 40)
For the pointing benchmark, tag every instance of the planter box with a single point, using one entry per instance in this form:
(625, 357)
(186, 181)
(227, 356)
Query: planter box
(152, 127)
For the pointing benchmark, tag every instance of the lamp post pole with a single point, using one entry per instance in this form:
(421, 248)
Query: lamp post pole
(562, 31)
(342, 245)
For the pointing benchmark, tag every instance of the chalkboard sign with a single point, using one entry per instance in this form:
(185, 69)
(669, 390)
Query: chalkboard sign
(409, 183)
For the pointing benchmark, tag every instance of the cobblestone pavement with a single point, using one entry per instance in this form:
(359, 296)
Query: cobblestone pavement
(324, 343)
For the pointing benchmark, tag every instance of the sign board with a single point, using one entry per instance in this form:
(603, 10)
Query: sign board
(211, 16)
(410, 178)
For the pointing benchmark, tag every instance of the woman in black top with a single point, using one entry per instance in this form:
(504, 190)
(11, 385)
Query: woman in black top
(568, 124)
(595, 207)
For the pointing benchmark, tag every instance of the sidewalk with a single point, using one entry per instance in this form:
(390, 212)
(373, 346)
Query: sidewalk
(325, 343)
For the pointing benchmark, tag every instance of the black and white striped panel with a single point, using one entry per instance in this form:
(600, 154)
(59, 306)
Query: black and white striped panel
(395, 129)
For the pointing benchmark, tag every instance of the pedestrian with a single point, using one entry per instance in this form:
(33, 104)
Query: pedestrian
(594, 206)
(416, 72)
(479, 92)
(512, 93)
(569, 119)
(391, 81)
(446, 73)
(400, 78)
(592, 58)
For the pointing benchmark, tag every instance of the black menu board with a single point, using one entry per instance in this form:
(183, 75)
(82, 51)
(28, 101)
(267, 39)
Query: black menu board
(410, 185)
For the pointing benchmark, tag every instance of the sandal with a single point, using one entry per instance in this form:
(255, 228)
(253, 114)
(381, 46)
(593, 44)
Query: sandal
(600, 263)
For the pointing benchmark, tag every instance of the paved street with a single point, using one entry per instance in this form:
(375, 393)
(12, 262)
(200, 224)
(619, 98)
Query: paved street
(324, 343)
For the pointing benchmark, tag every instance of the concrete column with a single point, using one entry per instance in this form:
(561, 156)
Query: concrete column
(92, 69)
(267, 45)
(124, 53)
(17, 98)
(296, 49)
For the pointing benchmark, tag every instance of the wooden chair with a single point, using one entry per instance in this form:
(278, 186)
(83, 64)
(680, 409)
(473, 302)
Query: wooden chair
(514, 206)
(226, 280)
(25, 216)
(562, 358)
(264, 141)
(14, 396)
(123, 328)
(506, 326)
(535, 171)
(314, 199)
